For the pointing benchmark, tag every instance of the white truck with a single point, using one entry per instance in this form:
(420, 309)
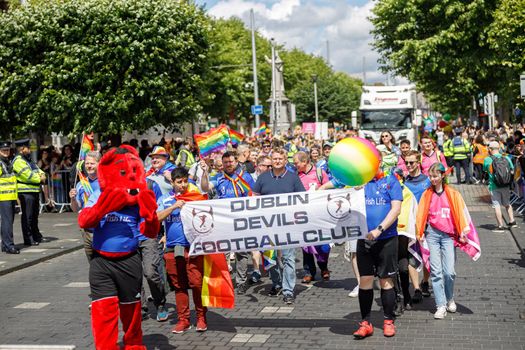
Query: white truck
(389, 108)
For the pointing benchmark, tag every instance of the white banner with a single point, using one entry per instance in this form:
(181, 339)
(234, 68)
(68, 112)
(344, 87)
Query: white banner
(278, 221)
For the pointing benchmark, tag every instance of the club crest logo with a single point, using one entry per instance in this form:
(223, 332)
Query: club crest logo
(202, 221)
(338, 207)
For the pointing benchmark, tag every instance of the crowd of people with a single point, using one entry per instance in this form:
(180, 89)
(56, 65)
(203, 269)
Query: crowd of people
(296, 162)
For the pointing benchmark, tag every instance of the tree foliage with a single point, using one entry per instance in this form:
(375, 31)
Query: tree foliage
(102, 65)
(441, 45)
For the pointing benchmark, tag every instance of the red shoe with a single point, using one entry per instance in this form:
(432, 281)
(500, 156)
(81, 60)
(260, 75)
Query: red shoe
(306, 279)
(202, 326)
(181, 327)
(389, 330)
(365, 330)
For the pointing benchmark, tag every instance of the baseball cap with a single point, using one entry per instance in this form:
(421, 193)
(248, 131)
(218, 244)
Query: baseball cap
(159, 151)
(327, 144)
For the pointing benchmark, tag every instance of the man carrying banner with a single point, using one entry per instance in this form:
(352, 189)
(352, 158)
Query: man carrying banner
(183, 271)
(377, 254)
(234, 182)
(280, 180)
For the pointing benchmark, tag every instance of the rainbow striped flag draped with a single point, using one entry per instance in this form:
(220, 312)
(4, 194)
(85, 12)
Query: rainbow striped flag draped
(212, 141)
(269, 258)
(217, 286)
(85, 147)
(235, 137)
(262, 130)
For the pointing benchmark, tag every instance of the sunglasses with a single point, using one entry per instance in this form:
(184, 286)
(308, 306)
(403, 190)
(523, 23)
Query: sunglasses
(411, 162)
(383, 136)
(266, 146)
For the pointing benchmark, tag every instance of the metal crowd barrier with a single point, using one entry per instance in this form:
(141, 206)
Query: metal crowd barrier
(56, 191)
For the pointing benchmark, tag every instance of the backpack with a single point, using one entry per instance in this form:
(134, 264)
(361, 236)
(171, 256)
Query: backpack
(501, 171)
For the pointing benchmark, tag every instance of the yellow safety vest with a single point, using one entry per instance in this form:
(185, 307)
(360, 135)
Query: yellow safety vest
(448, 150)
(28, 178)
(7, 184)
(190, 159)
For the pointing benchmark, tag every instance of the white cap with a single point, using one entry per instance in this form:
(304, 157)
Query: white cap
(494, 145)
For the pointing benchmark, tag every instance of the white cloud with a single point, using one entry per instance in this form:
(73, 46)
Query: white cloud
(308, 24)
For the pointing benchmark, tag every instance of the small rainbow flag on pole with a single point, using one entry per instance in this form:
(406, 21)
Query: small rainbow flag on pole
(85, 147)
(212, 141)
(235, 137)
(261, 131)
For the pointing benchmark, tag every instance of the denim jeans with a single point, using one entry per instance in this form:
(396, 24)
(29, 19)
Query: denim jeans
(442, 260)
(286, 277)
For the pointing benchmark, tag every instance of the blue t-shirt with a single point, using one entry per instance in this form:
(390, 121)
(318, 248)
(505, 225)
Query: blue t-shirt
(173, 223)
(417, 185)
(224, 186)
(268, 183)
(80, 191)
(117, 232)
(379, 195)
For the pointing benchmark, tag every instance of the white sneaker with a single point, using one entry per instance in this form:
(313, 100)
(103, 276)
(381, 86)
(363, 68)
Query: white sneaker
(451, 306)
(354, 293)
(440, 313)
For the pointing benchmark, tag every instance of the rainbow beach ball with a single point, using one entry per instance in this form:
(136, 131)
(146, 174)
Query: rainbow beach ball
(354, 161)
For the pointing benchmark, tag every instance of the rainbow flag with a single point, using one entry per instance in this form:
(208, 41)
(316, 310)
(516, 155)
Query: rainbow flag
(235, 137)
(217, 286)
(212, 141)
(262, 130)
(85, 147)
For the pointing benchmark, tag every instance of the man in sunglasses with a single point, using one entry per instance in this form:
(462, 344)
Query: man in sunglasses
(266, 149)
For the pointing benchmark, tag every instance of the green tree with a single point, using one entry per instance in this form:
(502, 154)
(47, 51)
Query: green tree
(440, 45)
(102, 65)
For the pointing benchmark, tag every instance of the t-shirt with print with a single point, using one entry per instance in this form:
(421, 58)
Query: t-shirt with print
(439, 216)
(379, 194)
(173, 223)
(310, 179)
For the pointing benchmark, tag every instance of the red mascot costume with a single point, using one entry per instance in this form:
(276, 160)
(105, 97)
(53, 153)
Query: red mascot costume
(122, 209)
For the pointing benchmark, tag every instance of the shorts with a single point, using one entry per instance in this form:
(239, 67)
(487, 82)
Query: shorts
(120, 277)
(500, 196)
(377, 258)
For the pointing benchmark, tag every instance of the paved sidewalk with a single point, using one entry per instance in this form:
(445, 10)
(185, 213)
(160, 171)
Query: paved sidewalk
(47, 304)
(63, 236)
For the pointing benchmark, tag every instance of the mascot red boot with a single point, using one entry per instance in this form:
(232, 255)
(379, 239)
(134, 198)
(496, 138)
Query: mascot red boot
(118, 212)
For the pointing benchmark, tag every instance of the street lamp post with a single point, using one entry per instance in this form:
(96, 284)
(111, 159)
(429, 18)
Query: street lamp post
(314, 79)
(274, 87)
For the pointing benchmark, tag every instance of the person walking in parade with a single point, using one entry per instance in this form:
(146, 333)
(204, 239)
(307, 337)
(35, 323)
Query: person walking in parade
(29, 178)
(8, 196)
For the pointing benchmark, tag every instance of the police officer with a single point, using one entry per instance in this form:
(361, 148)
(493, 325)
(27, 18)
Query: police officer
(29, 177)
(461, 149)
(8, 197)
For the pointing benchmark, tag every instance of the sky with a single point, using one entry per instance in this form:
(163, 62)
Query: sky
(309, 24)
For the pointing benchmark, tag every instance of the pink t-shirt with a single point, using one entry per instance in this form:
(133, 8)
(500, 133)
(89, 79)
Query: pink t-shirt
(439, 216)
(310, 179)
(427, 161)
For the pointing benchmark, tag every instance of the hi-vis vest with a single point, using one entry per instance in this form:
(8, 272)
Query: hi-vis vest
(448, 150)
(461, 148)
(482, 153)
(27, 175)
(190, 159)
(7, 183)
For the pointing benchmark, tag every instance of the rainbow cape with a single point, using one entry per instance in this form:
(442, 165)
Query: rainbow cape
(262, 130)
(235, 137)
(85, 147)
(212, 141)
(217, 286)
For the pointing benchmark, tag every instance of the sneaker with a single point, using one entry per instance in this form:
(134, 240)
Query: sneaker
(162, 313)
(181, 327)
(498, 229)
(354, 293)
(425, 289)
(307, 279)
(365, 330)
(408, 306)
(389, 330)
(202, 326)
(242, 288)
(145, 314)
(399, 309)
(513, 224)
(451, 306)
(441, 312)
(417, 297)
(326, 275)
(275, 291)
(288, 299)
(256, 277)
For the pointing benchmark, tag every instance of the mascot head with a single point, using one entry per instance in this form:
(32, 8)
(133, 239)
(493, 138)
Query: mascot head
(122, 168)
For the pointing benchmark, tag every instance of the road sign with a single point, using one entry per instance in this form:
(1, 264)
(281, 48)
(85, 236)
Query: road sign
(257, 109)
(522, 85)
